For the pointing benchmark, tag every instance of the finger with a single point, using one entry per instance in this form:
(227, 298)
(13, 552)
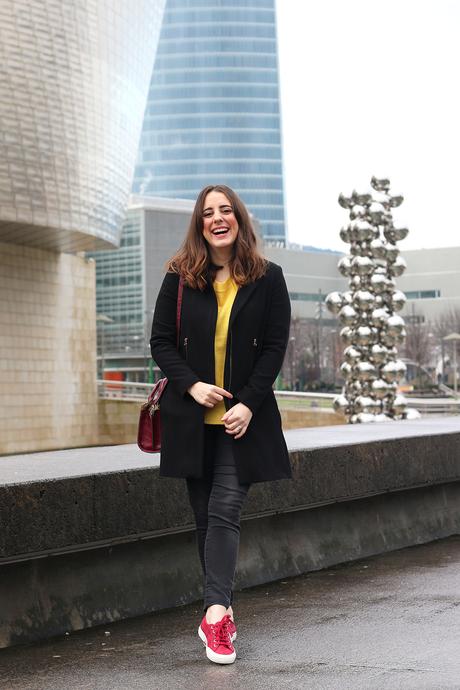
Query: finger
(236, 429)
(222, 391)
(232, 432)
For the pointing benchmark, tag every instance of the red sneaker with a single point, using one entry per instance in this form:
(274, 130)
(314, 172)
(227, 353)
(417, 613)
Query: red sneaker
(216, 639)
(232, 629)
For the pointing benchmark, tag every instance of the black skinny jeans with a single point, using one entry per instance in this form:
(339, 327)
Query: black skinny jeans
(216, 501)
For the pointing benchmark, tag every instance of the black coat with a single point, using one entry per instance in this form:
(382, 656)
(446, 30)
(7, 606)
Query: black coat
(257, 339)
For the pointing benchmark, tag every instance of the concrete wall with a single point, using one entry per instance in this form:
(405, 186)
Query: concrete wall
(118, 420)
(110, 539)
(48, 396)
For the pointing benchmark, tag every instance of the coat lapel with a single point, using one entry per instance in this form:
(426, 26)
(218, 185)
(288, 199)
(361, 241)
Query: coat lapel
(241, 298)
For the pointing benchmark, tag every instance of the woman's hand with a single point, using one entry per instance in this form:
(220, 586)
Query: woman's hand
(237, 420)
(207, 394)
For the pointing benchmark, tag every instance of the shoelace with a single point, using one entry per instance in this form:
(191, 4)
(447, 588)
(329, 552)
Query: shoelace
(221, 633)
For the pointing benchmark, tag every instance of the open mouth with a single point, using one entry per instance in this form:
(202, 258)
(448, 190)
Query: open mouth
(219, 232)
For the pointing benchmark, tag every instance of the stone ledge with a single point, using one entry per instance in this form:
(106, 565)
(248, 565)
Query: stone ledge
(79, 499)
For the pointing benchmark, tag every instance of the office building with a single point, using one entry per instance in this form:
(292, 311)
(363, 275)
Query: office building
(213, 112)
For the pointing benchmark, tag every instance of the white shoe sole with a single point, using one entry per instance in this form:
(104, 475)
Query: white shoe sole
(212, 656)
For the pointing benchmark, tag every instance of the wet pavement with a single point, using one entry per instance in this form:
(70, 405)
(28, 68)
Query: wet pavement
(392, 621)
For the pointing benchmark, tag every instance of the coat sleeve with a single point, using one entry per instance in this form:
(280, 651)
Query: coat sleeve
(163, 341)
(274, 343)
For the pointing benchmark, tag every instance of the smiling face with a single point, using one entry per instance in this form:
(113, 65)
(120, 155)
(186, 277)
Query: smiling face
(220, 227)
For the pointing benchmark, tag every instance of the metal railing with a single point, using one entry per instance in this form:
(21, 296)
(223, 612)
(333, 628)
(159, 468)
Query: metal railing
(128, 390)
(123, 390)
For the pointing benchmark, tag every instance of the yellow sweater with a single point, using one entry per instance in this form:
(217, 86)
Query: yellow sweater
(225, 294)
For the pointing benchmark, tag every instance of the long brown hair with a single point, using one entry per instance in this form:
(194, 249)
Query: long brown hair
(193, 260)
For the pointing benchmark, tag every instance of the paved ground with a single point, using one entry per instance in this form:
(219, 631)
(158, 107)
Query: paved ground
(392, 621)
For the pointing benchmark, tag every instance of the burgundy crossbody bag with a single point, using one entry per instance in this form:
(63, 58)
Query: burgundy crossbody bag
(149, 429)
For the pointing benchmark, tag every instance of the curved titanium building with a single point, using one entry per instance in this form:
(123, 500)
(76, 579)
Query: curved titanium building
(74, 81)
(75, 77)
(213, 111)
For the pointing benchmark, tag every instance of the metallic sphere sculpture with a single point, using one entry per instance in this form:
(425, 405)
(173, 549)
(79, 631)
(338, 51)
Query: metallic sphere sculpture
(371, 328)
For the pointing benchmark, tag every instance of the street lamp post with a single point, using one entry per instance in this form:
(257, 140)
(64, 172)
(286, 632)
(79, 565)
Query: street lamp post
(454, 338)
(292, 341)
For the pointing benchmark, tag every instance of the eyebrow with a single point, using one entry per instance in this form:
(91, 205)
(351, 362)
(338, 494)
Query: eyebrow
(209, 208)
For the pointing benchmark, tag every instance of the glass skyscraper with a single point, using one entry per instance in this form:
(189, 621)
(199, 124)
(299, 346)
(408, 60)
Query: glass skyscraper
(213, 112)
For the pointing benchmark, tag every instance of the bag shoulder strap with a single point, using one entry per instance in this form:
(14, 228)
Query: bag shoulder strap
(179, 308)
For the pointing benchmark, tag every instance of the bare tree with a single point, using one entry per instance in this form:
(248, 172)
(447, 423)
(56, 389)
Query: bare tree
(418, 345)
(447, 322)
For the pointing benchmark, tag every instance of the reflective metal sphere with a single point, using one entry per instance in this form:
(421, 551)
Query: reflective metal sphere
(381, 198)
(392, 371)
(379, 353)
(347, 334)
(391, 251)
(348, 315)
(380, 184)
(377, 249)
(364, 403)
(340, 404)
(352, 355)
(379, 317)
(357, 211)
(355, 386)
(344, 266)
(398, 267)
(361, 199)
(395, 325)
(345, 233)
(382, 417)
(378, 282)
(380, 388)
(397, 300)
(345, 370)
(363, 300)
(362, 230)
(400, 234)
(334, 302)
(411, 414)
(396, 200)
(365, 418)
(345, 201)
(365, 371)
(362, 265)
(377, 213)
(363, 335)
(399, 404)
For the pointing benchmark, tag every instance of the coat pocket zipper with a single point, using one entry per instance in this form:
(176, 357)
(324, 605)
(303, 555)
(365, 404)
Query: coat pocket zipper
(186, 348)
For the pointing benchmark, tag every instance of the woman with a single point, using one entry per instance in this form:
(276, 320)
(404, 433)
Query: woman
(221, 428)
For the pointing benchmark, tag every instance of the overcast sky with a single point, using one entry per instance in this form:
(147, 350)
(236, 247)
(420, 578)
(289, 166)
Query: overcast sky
(369, 88)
